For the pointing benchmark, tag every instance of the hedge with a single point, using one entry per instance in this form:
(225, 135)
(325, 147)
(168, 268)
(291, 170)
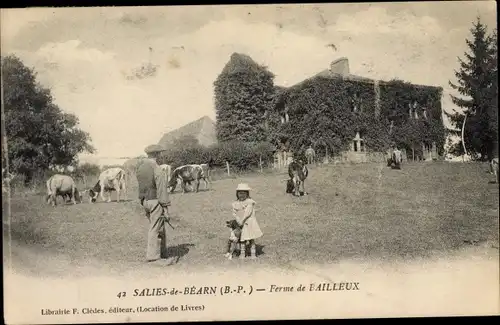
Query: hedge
(240, 155)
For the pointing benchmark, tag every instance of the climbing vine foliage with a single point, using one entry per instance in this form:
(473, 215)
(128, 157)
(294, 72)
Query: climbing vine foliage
(325, 112)
(328, 112)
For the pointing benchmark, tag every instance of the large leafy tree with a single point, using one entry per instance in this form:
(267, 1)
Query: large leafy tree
(478, 87)
(39, 134)
(243, 93)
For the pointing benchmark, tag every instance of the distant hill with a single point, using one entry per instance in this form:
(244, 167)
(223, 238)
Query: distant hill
(202, 129)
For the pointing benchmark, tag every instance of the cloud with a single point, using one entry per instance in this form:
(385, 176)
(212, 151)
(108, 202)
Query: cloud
(376, 20)
(90, 71)
(133, 19)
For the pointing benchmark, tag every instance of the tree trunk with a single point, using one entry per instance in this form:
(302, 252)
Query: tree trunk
(463, 138)
(413, 153)
(227, 166)
(260, 163)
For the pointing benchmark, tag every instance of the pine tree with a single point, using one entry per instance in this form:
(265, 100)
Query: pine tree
(477, 84)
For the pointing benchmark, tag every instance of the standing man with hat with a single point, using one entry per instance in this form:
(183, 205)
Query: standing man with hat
(153, 194)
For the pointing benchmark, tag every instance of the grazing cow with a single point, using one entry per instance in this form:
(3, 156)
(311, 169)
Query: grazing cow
(185, 175)
(112, 179)
(64, 186)
(168, 171)
(494, 169)
(298, 173)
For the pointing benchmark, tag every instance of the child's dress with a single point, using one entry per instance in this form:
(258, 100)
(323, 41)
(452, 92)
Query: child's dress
(241, 210)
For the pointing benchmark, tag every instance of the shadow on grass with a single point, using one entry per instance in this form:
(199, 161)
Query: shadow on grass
(178, 251)
(112, 201)
(192, 191)
(259, 250)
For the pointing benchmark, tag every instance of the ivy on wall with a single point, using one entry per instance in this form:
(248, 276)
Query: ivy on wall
(416, 113)
(327, 112)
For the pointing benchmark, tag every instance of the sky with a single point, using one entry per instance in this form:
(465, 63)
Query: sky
(89, 57)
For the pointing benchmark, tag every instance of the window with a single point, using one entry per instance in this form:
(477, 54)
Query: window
(356, 103)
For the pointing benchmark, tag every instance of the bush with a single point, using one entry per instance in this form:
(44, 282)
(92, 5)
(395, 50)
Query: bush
(240, 155)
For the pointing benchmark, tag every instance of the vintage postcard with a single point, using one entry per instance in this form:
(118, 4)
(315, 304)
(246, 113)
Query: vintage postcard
(250, 162)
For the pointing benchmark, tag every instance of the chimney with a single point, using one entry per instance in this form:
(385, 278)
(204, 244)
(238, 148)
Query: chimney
(340, 66)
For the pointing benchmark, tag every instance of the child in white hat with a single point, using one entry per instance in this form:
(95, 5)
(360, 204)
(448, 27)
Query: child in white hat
(244, 213)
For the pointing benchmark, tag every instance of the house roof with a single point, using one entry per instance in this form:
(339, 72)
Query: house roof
(202, 129)
(339, 69)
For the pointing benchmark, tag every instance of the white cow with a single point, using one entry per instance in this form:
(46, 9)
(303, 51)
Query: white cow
(112, 179)
(167, 169)
(64, 186)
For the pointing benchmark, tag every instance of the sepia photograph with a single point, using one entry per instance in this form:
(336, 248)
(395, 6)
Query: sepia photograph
(249, 162)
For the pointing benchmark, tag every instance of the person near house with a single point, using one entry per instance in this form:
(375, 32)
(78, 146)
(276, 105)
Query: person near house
(154, 197)
(244, 213)
(397, 157)
(310, 155)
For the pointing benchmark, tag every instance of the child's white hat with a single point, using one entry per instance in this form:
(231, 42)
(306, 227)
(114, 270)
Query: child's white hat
(243, 187)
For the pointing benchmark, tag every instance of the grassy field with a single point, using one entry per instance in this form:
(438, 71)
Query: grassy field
(351, 212)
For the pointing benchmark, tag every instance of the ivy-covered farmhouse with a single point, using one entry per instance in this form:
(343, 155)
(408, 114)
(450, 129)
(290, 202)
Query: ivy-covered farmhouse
(338, 114)
(355, 118)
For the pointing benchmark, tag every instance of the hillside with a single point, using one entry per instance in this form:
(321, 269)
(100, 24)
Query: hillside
(202, 129)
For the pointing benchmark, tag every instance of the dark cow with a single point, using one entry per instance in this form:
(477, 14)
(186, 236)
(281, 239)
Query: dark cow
(298, 173)
(64, 186)
(187, 174)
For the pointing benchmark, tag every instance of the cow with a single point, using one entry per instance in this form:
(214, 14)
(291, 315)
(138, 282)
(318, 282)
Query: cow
(112, 179)
(167, 169)
(494, 169)
(298, 173)
(185, 175)
(64, 186)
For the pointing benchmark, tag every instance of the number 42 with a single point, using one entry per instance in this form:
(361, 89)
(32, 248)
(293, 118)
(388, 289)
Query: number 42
(121, 294)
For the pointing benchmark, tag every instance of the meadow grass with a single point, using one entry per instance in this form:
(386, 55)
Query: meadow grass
(352, 211)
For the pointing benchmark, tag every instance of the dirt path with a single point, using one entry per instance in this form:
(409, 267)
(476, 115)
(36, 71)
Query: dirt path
(462, 283)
